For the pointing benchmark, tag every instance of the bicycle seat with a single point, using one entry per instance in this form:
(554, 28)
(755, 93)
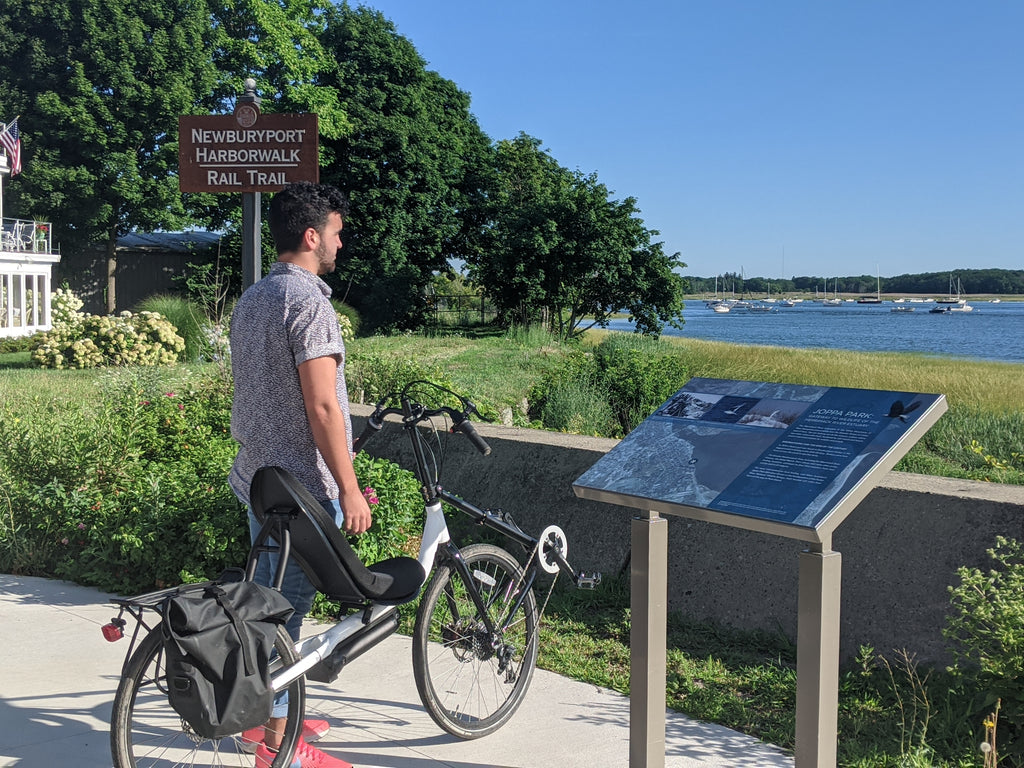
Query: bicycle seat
(322, 550)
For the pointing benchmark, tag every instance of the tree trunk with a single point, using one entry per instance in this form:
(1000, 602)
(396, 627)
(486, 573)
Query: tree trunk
(112, 276)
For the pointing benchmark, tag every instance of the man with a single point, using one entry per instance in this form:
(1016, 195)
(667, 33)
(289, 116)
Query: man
(291, 405)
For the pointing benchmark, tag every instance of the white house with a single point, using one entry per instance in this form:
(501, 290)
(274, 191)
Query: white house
(27, 257)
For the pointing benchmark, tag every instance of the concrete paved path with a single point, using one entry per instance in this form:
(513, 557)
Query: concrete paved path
(58, 676)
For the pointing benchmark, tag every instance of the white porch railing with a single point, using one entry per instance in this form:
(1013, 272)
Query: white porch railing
(24, 236)
(26, 264)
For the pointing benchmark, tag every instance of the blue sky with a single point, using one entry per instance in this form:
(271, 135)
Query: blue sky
(772, 137)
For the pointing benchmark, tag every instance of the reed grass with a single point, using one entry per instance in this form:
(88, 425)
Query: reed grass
(985, 386)
(508, 366)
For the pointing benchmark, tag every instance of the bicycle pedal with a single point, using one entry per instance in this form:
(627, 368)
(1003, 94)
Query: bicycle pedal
(588, 581)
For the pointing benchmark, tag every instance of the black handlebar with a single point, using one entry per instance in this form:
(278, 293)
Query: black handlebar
(466, 427)
(373, 426)
(413, 413)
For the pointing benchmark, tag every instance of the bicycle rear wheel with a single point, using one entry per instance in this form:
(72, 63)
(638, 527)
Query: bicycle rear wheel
(472, 680)
(146, 732)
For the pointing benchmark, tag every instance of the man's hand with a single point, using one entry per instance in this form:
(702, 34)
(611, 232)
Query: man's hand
(358, 517)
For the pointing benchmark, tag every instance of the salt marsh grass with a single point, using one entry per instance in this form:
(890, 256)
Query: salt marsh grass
(978, 385)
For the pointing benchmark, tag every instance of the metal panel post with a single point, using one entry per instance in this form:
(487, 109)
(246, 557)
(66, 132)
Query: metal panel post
(252, 258)
(817, 659)
(649, 610)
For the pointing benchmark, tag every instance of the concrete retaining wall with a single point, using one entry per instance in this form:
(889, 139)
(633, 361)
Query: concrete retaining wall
(900, 547)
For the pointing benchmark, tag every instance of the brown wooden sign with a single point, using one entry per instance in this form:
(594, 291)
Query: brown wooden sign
(247, 151)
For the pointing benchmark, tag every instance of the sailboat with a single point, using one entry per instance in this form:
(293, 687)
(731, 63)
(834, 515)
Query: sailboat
(951, 303)
(717, 304)
(877, 298)
(950, 299)
(835, 301)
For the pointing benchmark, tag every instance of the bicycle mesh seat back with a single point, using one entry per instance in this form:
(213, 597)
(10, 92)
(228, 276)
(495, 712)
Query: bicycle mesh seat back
(322, 550)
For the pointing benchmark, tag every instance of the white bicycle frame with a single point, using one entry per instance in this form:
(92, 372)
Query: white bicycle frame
(313, 650)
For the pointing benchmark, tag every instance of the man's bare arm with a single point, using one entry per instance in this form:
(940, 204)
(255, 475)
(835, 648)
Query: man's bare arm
(318, 378)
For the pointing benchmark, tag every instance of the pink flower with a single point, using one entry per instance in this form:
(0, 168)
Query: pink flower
(370, 495)
(170, 394)
(64, 541)
(81, 526)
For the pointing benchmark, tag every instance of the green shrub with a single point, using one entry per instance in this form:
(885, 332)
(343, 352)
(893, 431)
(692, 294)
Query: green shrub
(18, 343)
(639, 373)
(189, 320)
(127, 490)
(629, 375)
(397, 508)
(125, 493)
(371, 377)
(986, 633)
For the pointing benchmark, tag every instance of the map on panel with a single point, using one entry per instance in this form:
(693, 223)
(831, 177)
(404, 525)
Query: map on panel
(780, 452)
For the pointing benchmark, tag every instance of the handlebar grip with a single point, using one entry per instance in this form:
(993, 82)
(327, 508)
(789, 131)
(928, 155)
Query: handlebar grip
(466, 427)
(373, 426)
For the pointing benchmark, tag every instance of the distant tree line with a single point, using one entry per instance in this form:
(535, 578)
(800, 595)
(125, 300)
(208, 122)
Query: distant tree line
(971, 281)
(99, 88)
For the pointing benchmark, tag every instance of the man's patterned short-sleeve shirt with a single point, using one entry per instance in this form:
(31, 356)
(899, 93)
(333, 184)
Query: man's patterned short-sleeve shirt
(279, 323)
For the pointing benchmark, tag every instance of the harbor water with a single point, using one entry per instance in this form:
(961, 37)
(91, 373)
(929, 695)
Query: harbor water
(991, 331)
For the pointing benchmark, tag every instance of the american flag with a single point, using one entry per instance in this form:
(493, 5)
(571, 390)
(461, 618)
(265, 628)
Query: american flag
(11, 139)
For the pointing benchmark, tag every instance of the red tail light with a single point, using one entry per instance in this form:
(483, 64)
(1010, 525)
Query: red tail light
(113, 632)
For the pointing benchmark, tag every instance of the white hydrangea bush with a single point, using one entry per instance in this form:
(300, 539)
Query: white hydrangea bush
(79, 340)
(347, 333)
(64, 306)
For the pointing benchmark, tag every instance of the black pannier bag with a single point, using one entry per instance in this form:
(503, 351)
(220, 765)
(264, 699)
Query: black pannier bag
(218, 643)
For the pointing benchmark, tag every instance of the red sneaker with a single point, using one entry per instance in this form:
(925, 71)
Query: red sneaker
(305, 756)
(311, 731)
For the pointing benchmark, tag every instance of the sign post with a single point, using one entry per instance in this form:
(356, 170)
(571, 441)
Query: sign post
(247, 152)
(247, 112)
(785, 459)
(817, 657)
(648, 596)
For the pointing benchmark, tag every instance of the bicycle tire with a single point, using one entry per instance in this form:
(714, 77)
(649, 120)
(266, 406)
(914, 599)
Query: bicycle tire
(470, 682)
(146, 732)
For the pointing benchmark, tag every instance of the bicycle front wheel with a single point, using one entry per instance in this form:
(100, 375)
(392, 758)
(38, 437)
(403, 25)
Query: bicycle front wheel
(146, 732)
(473, 667)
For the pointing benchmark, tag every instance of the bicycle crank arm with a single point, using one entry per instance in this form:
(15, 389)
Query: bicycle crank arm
(554, 548)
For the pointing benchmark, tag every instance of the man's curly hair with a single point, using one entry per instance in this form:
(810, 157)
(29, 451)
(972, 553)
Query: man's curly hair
(300, 206)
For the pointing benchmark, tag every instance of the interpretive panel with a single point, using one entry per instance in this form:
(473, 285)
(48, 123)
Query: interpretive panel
(783, 458)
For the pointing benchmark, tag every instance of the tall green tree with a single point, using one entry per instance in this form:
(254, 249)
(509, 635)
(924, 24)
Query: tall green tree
(410, 164)
(521, 233)
(99, 85)
(559, 249)
(278, 44)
